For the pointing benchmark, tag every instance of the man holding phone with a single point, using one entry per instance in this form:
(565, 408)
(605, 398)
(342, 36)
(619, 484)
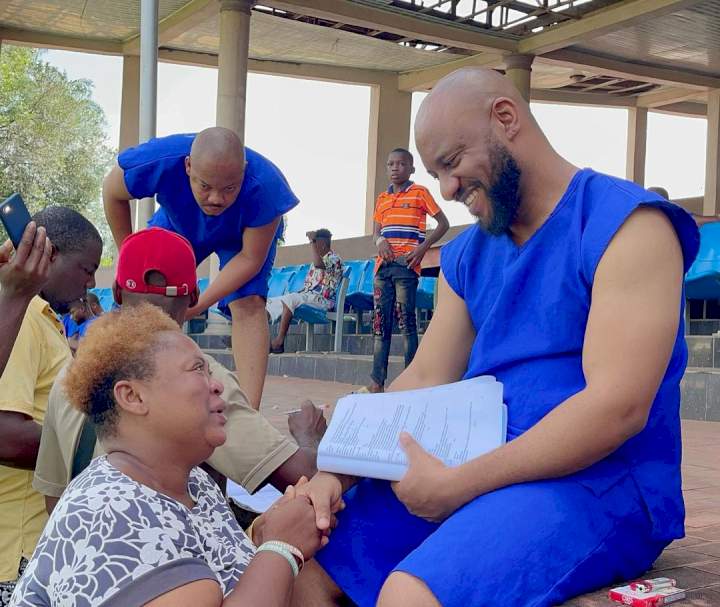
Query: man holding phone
(226, 199)
(22, 275)
(39, 352)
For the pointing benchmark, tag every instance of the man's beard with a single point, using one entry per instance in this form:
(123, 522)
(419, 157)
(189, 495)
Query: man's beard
(503, 194)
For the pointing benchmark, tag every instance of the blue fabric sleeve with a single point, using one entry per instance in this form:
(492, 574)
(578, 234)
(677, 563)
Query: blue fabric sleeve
(270, 197)
(602, 227)
(451, 255)
(145, 165)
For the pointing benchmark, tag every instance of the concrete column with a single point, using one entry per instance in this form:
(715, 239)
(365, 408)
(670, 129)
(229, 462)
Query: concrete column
(233, 63)
(636, 145)
(390, 111)
(518, 68)
(148, 91)
(130, 113)
(711, 202)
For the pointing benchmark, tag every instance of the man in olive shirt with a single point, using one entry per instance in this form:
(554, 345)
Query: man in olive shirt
(158, 266)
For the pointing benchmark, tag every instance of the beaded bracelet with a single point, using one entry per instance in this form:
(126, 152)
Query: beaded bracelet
(296, 552)
(289, 557)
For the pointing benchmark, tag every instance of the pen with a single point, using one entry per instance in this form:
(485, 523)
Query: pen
(323, 407)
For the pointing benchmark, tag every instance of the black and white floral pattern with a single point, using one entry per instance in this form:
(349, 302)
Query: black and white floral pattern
(108, 530)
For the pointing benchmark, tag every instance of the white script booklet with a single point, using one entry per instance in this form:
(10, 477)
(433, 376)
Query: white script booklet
(455, 422)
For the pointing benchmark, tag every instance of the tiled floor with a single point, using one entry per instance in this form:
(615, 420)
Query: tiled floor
(693, 561)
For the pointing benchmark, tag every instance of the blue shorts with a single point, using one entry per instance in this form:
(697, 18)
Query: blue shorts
(534, 544)
(258, 285)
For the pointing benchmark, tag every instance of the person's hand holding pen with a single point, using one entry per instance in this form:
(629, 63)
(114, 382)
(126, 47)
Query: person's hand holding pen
(307, 424)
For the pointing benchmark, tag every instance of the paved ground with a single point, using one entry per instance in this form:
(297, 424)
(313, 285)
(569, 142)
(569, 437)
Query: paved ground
(693, 561)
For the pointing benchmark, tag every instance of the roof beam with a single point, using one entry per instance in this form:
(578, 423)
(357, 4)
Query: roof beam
(190, 15)
(59, 41)
(572, 98)
(307, 71)
(666, 97)
(599, 22)
(422, 80)
(397, 21)
(631, 71)
(685, 108)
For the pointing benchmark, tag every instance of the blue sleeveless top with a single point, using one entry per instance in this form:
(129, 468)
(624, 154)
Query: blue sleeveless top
(529, 306)
(157, 168)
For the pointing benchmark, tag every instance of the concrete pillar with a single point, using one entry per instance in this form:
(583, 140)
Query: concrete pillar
(130, 113)
(148, 91)
(233, 64)
(518, 68)
(234, 25)
(711, 202)
(390, 111)
(636, 145)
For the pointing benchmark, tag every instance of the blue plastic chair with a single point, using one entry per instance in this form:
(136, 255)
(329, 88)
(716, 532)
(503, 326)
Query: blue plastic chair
(362, 298)
(426, 293)
(313, 316)
(203, 284)
(278, 283)
(298, 280)
(702, 280)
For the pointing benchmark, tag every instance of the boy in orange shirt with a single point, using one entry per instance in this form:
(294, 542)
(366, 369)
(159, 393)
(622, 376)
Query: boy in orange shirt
(399, 234)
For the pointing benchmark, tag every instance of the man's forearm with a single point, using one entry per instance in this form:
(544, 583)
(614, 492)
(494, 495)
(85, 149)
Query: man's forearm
(575, 435)
(435, 235)
(19, 444)
(234, 275)
(12, 312)
(117, 213)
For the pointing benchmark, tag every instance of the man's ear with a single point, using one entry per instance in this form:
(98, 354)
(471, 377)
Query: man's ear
(129, 398)
(505, 111)
(412, 170)
(117, 293)
(187, 165)
(194, 297)
(53, 253)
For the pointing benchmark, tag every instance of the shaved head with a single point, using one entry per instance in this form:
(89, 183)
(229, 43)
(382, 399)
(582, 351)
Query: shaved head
(466, 131)
(217, 145)
(216, 168)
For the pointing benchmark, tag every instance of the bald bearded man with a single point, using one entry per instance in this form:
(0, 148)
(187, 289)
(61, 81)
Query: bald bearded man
(568, 290)
(225, 199)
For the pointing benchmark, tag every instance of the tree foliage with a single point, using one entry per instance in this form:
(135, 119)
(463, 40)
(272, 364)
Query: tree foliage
(53, 146)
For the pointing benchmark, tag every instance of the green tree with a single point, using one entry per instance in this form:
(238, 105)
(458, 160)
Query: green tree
(53, 147)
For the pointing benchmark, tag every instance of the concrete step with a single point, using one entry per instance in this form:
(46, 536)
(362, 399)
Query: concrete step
(352, 344)
(703, 351)
(342, 368)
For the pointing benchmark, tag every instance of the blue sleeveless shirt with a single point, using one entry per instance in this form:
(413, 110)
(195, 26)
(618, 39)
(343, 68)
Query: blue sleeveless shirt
(157, 168)
(529, 306)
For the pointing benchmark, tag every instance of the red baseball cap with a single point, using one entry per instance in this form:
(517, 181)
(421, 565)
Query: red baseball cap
(156, 249)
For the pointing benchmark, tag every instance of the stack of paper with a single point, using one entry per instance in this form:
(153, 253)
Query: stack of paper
(455, 422)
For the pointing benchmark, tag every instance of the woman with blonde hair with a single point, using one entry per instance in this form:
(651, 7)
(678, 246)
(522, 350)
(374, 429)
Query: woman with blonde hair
(144, 525)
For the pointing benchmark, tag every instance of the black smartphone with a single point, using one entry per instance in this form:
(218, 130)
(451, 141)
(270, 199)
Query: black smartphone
(15, 217)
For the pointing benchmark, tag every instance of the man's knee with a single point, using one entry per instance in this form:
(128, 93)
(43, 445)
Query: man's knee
(252, 305)
(405, 590)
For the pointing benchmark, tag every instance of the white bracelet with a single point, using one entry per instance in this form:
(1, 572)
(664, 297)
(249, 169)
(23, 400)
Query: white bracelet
(286, 554)
(296, 552)
(379, 240)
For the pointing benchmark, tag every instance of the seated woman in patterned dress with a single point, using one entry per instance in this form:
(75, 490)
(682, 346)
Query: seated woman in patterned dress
(144, 525)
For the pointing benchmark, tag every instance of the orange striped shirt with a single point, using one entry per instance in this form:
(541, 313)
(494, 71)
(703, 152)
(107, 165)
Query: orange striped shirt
(402, 217)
